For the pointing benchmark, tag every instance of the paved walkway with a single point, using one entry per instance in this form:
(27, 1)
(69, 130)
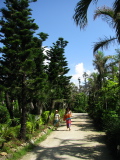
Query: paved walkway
(83, 142)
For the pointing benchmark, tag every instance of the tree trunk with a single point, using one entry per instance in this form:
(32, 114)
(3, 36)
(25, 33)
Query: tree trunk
(37, 107)
(24, 111)
(119, 82)
(23, 123)
(52, 107)
(41, 108)
(9, 105)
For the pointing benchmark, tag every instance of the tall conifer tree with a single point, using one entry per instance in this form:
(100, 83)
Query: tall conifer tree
(17, 65)
(57, 70)
(39, 76)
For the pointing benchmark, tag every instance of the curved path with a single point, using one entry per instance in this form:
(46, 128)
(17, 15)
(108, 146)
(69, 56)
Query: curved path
(83, 142)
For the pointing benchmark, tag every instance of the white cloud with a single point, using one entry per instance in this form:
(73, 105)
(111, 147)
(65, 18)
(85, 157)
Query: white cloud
(79, 71)
(45, 50)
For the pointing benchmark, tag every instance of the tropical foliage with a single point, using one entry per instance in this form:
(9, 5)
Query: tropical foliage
(29, 86)
(104, 85)
(109, 15)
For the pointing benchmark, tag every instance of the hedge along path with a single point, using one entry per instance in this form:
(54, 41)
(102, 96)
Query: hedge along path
(83, 142)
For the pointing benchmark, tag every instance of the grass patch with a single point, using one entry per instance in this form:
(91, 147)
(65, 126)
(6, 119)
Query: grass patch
(17, 155)
(21, 152)
(42, 138)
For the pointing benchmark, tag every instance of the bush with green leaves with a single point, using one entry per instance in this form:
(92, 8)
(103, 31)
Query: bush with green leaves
(111, 123)
(4, 114)
(95, 113)
(80, 105)
(29, 127)
(44, 116)
(39, 122)
(8, 133)
(32, 122)
(2, 141)
(110, 119)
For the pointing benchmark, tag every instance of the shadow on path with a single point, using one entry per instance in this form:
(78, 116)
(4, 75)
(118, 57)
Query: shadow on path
(83, 142)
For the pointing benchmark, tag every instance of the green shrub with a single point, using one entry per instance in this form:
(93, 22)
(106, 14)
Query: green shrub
(28, 136)
(2, 141)
(32, 123)
(29, 127)
(39, 122)
(3, 129)
(52, 117)
(96, 115)
(111, 124)
(44, 116)
(16, 121)
(110, 120)
(4, 114)
(9, 133)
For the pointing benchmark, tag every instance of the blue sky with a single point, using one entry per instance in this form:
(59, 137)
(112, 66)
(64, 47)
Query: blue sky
(55, 17)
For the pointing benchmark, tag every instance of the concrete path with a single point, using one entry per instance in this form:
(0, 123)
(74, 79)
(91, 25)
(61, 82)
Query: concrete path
(83, 142)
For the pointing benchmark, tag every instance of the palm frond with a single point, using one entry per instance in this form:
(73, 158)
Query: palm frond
(103, 44)
(80, 15)
(116, 7)
(106, 13)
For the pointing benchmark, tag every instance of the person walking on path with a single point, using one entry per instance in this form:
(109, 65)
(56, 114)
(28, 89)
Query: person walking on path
(67, 118)
(56, 119)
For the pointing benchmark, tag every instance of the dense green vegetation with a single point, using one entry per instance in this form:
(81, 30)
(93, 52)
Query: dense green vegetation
(104, 86)
(31, 88)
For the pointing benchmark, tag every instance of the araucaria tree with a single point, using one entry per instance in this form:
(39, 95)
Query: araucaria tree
(57, 70)
(18, 55)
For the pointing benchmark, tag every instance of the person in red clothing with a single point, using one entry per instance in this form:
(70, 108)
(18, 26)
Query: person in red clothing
(67, 118)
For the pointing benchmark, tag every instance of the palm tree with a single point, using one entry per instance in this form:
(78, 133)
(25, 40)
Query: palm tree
(100, 65)
(92, 90)
(92, 82)
(116, 8)
(108, 15)
(80, 15)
